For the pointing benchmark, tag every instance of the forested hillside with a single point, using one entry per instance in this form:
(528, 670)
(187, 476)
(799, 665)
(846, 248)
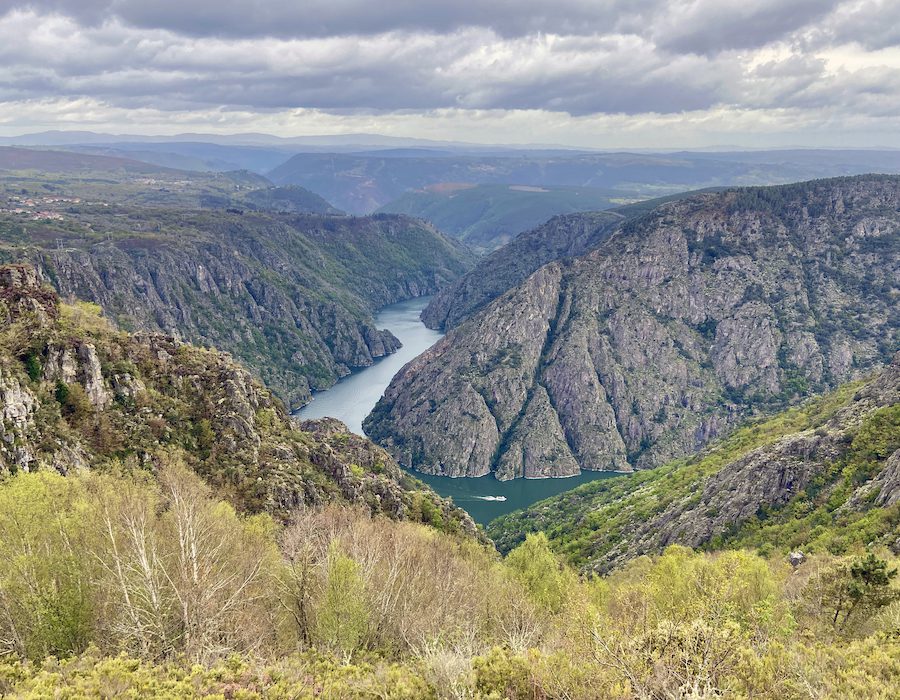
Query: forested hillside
(823, 477)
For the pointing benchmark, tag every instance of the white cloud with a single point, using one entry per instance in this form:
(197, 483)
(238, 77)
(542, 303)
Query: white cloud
(569, 71)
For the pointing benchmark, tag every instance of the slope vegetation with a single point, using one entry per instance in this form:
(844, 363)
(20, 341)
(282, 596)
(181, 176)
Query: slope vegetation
(77, 394)
(156, 589)
(821, 477)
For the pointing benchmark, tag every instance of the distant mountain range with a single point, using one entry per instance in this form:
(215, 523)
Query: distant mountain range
(363, 182)
(361, 173)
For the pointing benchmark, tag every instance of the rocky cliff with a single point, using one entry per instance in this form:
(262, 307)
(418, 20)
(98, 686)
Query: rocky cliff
(825, 476)
(678, 325)
(561, 237)
(290, 295)
(77, 394)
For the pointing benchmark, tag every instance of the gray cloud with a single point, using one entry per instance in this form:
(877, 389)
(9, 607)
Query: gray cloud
(318, 18)
(873, 24)
(711, 26)
(581, 57)
(703, 26)
(472, 69)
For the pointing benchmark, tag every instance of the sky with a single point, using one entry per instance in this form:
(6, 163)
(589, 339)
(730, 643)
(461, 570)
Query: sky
(584, 73)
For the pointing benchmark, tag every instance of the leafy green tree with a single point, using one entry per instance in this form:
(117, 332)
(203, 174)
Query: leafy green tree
(546, 580)
(73, 401)
(46, 604)
(342, 619)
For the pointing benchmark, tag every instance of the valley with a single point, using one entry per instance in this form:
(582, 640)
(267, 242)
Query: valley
(288, 450)
(487, 217)
(221, 261)
(354, 397)
(433, 350)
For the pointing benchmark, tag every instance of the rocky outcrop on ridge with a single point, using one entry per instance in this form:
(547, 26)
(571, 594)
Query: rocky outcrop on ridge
(76, 394)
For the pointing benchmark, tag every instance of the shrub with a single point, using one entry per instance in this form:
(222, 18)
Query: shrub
(342, 620)
(545, 579)
(73, 401)
(33, 366)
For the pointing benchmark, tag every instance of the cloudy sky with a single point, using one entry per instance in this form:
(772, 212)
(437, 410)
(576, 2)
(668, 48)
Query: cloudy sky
(603, 73)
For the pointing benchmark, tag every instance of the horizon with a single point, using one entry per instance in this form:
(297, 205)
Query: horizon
(324, 140)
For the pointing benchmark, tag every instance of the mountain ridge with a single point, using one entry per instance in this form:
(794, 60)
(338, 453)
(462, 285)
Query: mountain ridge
(678, 326)
(562, 236)
(78, 394)
(291, 294)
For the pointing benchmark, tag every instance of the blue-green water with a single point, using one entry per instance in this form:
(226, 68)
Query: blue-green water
(470, 493)
(352, 398)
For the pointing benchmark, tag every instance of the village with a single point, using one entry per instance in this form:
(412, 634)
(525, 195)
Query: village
(36, 208)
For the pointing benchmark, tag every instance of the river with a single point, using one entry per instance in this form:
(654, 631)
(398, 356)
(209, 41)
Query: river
(352, 398)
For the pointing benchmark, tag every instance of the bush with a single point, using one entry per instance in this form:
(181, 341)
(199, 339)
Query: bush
(342, 620)
(73, 401)
(148, 586)
(33, 367)
(545, 579)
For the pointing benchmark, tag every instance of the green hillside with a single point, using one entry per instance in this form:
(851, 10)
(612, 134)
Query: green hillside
(822, 477)
(489, 216)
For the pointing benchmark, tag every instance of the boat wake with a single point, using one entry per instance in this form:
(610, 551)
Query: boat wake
(490, 498)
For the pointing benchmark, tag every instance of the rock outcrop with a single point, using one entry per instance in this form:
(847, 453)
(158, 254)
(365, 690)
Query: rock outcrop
(77, 394)
(677, 326)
